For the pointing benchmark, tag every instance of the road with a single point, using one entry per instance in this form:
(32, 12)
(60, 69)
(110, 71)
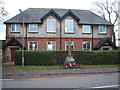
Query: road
(63, 81)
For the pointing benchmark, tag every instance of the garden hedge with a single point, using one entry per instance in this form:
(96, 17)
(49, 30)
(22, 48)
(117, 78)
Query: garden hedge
(58, 57)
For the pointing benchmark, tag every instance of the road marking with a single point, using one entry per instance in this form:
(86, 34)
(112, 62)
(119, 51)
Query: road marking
(5, 79)
(107, 86)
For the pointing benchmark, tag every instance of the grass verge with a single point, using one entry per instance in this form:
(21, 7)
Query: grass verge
(37, 67)
(33, 67)
(100, 66)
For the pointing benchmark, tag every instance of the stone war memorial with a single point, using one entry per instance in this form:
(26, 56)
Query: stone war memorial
(69, 61)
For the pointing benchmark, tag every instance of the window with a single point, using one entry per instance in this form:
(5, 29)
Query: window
(33, 45)
(51, 25)
(86, 45)
(51, 45)
(15, 27)
(86, 29)
(69, 26)
(33, 27)
(66, 45)
(102, 29)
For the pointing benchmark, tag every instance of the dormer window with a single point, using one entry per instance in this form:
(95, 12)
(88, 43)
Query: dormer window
(69, 26)
(51, 25)
(15, 27)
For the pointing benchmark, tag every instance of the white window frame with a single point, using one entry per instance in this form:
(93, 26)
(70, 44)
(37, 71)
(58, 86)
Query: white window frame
(52, 44)
(34, 27)
(86, 29)
(51, 25)
(66, 45)
(16, 28)
(102, 26)
(68, 25)
(83, 46)
(29, 44)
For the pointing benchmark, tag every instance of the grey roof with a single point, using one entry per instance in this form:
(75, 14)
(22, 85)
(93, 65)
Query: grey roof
(34, 15)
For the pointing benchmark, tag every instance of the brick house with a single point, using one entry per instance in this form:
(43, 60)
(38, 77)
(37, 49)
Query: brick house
(50, 29)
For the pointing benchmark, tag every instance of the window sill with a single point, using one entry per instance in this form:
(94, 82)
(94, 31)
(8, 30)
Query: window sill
(32, 32)
(86, 33)
(14, 32)
(69, 32)
(51, 32)
(102, 33)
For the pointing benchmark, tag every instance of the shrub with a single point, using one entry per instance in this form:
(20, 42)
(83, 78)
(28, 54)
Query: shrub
(58, 57)
(34, 58)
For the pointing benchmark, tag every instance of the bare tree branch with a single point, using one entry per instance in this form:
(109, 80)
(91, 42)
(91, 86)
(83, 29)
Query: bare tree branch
(3, 12)
(108, 11)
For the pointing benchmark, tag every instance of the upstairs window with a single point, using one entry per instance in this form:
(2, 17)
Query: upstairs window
(33, 27)
(86, 29)
(51, 25)
(72, 45)
(33, 45)
(15, 27)
(69, 26)
(86, 45)
(102, 29)
(51, 45)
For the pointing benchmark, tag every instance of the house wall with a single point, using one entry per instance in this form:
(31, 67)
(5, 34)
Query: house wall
(42, 28)
(42, 36)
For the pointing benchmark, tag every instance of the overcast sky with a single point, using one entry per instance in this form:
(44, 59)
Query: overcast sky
(13, 6)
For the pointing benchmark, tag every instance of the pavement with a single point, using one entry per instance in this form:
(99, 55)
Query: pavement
(6, 71)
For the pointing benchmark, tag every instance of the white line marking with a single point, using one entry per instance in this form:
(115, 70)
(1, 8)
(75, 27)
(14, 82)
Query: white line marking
(107, 86)
(5, 79)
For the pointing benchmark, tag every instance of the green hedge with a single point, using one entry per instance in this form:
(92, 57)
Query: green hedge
(34, 58)
(58, 57)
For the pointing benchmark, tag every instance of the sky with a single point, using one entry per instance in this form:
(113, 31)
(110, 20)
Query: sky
(13, 6)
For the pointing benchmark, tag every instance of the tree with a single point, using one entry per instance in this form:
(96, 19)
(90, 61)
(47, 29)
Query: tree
(109, 11)
(3, 12)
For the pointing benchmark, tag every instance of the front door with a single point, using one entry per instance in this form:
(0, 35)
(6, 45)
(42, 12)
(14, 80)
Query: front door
(12, 53)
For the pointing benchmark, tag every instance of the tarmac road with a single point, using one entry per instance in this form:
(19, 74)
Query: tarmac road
(63, 81)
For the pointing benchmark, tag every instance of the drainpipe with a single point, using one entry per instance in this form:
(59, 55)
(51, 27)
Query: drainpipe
(26, 38)
(92, 36)
(60, 36)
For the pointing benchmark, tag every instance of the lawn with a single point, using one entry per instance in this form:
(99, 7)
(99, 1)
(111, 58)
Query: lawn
(32, 67)
(100, 66)
(37, 67)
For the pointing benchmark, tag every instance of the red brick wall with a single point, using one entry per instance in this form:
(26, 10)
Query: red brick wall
(42, 42)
